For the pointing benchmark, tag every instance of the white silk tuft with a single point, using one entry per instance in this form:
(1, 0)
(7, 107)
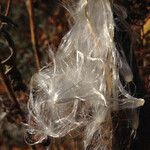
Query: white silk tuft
(83, 87)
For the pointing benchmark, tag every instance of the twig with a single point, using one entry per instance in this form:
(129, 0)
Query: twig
(29, 4)
(6, 12)
(10, 91)
(7, 85)
(8, 7)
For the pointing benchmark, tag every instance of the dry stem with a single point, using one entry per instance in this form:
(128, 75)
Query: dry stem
(10, 91)
(29, 4)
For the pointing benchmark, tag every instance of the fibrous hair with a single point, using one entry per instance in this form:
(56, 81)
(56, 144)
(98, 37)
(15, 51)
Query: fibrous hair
(83, 87)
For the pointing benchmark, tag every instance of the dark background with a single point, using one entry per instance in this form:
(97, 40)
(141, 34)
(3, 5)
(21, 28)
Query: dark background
(30, 52)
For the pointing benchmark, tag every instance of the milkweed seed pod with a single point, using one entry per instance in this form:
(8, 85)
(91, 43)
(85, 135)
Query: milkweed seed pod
(83, 87)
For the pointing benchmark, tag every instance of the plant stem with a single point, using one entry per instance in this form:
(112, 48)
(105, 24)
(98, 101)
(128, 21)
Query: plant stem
(10, 91)
(29, 4)
(8, 7)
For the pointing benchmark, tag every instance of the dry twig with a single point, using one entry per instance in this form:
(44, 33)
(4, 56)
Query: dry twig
(29, 4)
(8, 7)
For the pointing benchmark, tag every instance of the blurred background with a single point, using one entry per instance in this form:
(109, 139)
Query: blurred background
(27, 29)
